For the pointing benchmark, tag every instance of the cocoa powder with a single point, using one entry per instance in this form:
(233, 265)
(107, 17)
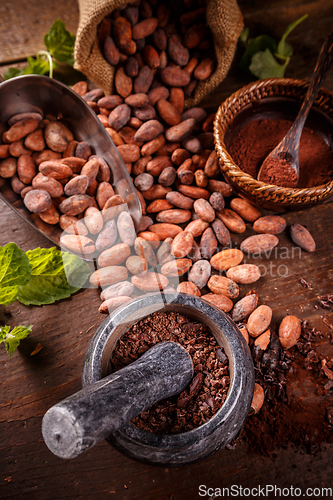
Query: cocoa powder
(259, 137)
(207, 391)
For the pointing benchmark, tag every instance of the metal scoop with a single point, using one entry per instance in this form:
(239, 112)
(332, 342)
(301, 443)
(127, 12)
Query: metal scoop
(281, 167)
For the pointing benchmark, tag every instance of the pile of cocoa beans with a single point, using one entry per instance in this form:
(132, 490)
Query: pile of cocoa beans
(152, 44)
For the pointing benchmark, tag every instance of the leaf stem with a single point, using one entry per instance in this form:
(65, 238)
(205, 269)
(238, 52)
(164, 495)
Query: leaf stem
(48, 56)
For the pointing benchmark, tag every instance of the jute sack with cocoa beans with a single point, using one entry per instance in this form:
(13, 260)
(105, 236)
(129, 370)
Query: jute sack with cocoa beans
(222, 16)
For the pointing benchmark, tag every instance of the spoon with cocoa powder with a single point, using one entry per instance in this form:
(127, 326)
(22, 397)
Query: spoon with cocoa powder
(281, 166)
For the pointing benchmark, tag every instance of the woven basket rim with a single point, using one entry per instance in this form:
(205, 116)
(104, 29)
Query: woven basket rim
(223, 118)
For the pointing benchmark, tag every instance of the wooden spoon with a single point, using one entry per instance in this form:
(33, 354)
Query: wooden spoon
(281, 166)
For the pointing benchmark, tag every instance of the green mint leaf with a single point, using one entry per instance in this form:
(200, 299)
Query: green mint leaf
(48, 281)
(15, 270)
(284, 49)
(36, 66)
(12, 338)
(254, 45)
(60, 43)
(264, 65)
(12, 72)
(244, 35)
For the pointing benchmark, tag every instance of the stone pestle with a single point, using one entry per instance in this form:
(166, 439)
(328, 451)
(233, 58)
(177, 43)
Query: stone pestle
(77, 423)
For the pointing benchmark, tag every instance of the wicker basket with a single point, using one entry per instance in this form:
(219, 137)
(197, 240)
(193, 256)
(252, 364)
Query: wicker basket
(267, 195)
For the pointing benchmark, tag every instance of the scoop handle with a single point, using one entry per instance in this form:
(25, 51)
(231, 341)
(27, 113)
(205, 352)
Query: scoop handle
(77, 423)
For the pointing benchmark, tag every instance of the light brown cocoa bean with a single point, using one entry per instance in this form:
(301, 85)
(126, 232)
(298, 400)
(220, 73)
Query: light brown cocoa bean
(137, 100)
(121, 289)
(177, 98)
(148, 131)
(21, 129)
(77, 243)
(259, 320)
(270, 224)
(232, 220)
(167, 176)
(108, 275)
(129, 152)
(179, 156)
(139, 166)
(193, 192)
(70, 150)
(74, 163)
(176, 267)
(289, 331)
(144, 80)
(35, 140)
(132, 67)
(154, 95)
(77, 185)
(227, 258)
(93, 220)
(152, 146)
(123, 84)
(263, 340)
(144, 249)
(182, 244)
(258, 398)
(104, 192)
(244, 209)
(127, 134)
(116, 138)
(14, 149)
(216, 200)
(158, 206)
(208, 243)
(244, 332)
(52, 186)
(179, 132)
(126, 229)
(174, 216)
(119, 116)
(145, 113)
(8, 167)
(192, 144)
(110, 101)
(72, 225)
(197, 227)
(55, 169)
(136, 264)
(165, 230)
(24, 116)
(45, 155)
(244, 307)
(199, 273)
(144, 28)
(204, 69)
(37, 200)
(179, 200)
(107, 237)
(195, 35)
(220, 301)
(302, 237)
(199, 114)
(17, 185)
(158, 164)
(76, 204)
(204, 210)
(212, 167)
(83, 150)
(50, 215)
(261, 244)
(244, 273)
(122, 33)
(188, 287)
(55, 137)
(195, 254)
(168, 112)
(221, 232)
(113, 303)
(164, 253)
(175, 77)
(223, 286)
(219, 186)
(144, 181)
(150, 282)
(156, 192)
(26, 169)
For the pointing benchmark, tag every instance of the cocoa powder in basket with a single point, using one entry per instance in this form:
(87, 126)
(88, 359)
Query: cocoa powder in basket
(208, 389)
(259, 137)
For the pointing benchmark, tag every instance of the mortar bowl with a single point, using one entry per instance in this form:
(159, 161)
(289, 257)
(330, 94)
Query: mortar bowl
(194, 445)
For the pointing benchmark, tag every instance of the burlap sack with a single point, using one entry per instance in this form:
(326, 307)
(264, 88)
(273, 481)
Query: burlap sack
(223, 17)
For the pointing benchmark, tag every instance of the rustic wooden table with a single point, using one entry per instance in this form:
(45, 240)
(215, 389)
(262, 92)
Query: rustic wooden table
(29, 385)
